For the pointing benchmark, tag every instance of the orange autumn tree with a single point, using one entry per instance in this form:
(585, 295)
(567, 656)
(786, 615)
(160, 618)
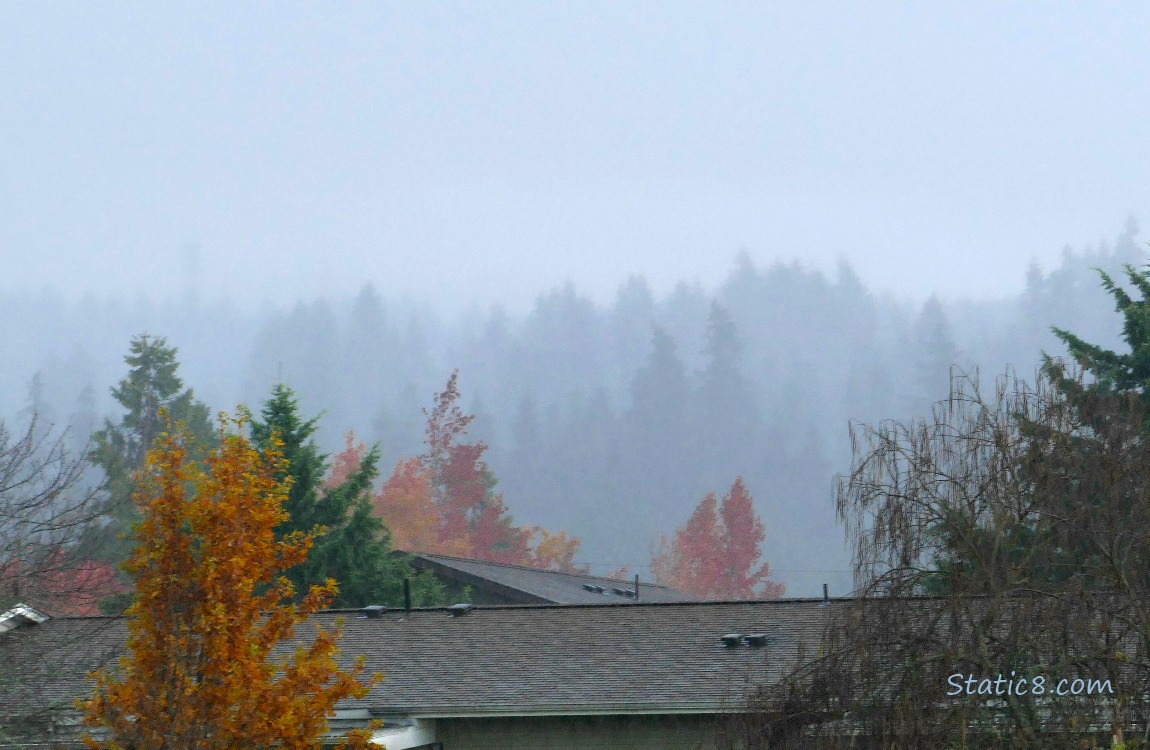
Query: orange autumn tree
(405, 505)
(693, 562)
(444, 501)
(715, 555)
(462, 488)
(202, 668)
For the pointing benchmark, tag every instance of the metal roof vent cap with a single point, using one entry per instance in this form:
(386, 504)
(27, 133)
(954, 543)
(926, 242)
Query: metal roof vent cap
(374, 611)
(757, 640)
(455, 610)
(594, 589)
(732, 640)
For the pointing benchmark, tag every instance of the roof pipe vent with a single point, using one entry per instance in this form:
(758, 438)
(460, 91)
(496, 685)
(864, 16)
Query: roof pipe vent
(456, 610)
(732, 640)
(826, 596)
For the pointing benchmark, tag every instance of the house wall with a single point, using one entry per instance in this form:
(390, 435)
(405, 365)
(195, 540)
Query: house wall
(579, 733)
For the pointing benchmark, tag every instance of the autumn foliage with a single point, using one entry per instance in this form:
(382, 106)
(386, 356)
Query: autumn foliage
(345, 463)
(203, 669)
(61, 586)
(405, 505)
(555, 551)
(715, 555)
(445, 502)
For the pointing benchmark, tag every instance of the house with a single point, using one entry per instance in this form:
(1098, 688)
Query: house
(635, 675)
(497, 583)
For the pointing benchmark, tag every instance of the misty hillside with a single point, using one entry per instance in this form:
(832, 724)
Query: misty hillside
(609, 421)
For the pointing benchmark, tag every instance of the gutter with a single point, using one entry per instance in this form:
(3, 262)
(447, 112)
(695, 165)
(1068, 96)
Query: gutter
(440, 712)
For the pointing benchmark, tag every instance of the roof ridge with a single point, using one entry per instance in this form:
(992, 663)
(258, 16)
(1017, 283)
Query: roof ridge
(542, 605)
(540, 570)
(583, 606)
(619, 604)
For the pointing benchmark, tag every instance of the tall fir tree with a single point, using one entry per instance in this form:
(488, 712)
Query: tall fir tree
(934, 354)
(152, 385)
(728, 422)
(355, 548)
(658, 448)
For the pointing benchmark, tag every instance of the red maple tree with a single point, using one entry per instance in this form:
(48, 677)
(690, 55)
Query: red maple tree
(462, 487)
(715, 555)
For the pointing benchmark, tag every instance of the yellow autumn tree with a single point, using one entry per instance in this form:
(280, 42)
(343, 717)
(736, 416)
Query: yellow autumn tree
(556, 551)
(207, 665)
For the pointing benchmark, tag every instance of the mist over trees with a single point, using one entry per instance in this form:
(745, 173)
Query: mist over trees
(609, 421)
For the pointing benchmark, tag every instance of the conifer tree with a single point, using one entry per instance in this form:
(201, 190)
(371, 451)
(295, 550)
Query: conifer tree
(658, 443)
(934, 353)
(1111, 372)
(728, 423)
(356, 546)
(151, 386)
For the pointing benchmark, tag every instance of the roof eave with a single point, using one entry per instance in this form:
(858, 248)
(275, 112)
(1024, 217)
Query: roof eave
(629, 709)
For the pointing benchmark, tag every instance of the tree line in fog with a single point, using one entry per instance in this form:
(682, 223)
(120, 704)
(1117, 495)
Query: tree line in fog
(611, 421)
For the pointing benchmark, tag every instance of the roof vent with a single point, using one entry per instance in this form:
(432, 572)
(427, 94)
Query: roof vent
(624, 592)
(455, 610)
(757, 640)
(373, 611)
(732, 640)
(21, 615)
(594, 589)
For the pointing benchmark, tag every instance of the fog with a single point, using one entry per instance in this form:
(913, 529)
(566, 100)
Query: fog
(361, 198)
(463, 153)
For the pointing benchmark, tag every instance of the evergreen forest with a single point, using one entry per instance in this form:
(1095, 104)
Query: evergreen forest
(609, 421)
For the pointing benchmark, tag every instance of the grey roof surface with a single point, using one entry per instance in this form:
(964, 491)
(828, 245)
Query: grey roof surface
(514, 659)
(547, 586)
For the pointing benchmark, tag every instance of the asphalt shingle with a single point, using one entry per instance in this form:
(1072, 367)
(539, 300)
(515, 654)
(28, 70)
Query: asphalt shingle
(515, 659)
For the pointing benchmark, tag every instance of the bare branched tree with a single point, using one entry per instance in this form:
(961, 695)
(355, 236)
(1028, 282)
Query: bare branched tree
(47, 501)
(1001, 547)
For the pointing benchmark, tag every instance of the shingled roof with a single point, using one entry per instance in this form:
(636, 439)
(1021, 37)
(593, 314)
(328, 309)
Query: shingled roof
(517, 584)
(514, 660)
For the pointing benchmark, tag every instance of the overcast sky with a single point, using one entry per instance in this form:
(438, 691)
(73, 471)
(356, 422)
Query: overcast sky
(487, 151)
